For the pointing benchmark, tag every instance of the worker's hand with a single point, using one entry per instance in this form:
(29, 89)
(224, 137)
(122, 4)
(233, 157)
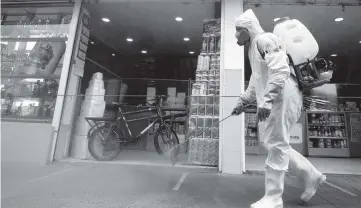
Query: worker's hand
(238, 109)
(263, 114)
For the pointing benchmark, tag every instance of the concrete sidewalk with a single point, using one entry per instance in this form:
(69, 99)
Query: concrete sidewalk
(95, 185)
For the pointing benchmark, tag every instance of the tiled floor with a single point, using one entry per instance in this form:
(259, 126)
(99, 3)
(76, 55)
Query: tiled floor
(325, 165)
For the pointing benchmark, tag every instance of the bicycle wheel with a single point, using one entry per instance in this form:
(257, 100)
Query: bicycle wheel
(165, 139)
(104, 144)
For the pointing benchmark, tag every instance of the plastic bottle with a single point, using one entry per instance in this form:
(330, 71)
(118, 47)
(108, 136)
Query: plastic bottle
(310, 144)
(300, 43)
(321, 144)
(313, 121)
(327, 132)
(329, 145)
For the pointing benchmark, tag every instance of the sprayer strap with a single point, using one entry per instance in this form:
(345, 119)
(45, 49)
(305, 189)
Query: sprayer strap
(263, 54)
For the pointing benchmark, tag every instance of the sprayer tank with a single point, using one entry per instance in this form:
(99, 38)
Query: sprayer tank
(300, 43)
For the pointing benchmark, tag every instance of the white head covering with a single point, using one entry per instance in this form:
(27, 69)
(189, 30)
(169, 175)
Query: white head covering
(249, 21)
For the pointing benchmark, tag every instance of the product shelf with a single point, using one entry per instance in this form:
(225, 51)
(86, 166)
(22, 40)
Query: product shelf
(329, 152)
(55, 39)
(252, 150)
(20, 62)
(28, 76)
(328, 125)
(325, 112)
(27, 119)
(320, 137)
(333, 121)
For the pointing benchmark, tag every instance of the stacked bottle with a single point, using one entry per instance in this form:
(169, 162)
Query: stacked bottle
(203, 122)
(92, 106)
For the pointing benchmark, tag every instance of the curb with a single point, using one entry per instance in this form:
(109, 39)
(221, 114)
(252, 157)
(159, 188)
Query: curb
(195, 168)
(259, 172)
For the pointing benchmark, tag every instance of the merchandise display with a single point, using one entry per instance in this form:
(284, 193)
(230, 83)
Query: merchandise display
(92, 106)
(32, 49)
(330, 120)
(251, 133)
(355, 127)
(204, 103)
(38, 27)
(33, 98)
(327, 134)
(349, 106)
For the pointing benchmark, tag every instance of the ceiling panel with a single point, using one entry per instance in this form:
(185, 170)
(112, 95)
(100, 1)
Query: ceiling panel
(152, 25)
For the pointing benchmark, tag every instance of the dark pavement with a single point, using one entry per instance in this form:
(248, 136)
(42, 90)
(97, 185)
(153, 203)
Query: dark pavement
(95, 185)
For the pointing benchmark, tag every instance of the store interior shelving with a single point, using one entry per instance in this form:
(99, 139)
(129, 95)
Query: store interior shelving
(251, 134)
(327, 134)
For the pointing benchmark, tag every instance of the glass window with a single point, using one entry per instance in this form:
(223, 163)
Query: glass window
(33, 43)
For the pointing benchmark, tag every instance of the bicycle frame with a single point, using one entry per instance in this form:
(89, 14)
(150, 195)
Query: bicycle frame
(159, 118)
(125, 123)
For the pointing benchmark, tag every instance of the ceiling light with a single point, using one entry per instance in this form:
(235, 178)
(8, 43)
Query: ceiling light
(339, 19)
(92, 42)
(359, 42)
(105, 19)
(191, 52)
(113, 54)
(276, 19)
(334, 55)
(130, 39)
(186, 39)
(144, 51)
(179, 19)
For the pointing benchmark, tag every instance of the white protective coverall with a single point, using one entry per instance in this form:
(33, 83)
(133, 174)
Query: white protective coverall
(273, 88)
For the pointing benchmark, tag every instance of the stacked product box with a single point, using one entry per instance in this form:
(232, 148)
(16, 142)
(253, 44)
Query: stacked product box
(203, 123)
(250, 129)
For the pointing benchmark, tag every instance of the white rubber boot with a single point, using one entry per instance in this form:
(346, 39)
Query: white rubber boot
(274, 186)
(302, 168)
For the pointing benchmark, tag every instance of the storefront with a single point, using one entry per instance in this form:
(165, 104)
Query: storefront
(186, 33)
(139, 62)
(43, 89)
(51, 54)
(37, 40)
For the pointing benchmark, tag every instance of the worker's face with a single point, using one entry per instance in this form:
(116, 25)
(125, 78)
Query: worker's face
(242, 36)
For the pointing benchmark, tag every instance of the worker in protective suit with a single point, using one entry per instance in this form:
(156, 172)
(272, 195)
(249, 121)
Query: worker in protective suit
(279, 103)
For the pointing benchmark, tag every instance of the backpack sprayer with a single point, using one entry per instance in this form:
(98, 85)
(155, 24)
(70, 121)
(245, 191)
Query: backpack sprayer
(175, 150)
(302, 49)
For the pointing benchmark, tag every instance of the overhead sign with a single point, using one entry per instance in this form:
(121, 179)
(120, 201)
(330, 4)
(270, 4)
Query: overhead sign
(82, 43)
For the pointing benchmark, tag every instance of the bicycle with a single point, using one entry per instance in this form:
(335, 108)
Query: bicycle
(120, 137)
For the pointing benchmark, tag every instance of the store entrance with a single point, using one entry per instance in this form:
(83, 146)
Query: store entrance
(328, 131)
(142, 56)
